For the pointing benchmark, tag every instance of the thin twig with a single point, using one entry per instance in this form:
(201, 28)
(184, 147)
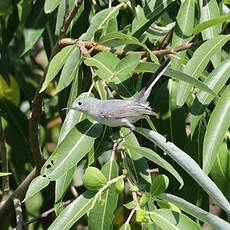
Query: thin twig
(46, 213)
(18, 213)
(4, 158)
(7, 207)
(70, 18)
(66, 9)
(90, 46)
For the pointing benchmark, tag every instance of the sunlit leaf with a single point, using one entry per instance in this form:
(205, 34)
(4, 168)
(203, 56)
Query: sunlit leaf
(218, 125)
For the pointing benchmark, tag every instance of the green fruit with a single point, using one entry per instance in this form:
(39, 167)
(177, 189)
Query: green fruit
(141, 215)
(160, 184)
(94, 179)
(119, 186)
(143, 201)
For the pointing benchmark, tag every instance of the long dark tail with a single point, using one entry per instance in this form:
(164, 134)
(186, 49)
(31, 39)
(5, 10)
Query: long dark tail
(145, 92)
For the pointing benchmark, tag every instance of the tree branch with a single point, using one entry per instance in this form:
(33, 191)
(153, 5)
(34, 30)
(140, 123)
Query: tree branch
(20, 192)
(18, 214)
(90, 46)
(69, 18)
(4, 158)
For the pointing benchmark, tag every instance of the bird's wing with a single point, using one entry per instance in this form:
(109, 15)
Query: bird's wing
(124, 111)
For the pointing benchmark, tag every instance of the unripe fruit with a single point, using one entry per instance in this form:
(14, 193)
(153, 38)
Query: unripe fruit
(143, 201)
(119, 186)
(160, 184)
(141, 215)
(94, 179)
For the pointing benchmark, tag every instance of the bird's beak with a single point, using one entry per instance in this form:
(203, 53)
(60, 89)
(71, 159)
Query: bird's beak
(67, 108)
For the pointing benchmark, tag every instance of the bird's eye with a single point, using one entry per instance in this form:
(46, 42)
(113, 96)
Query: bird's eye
(79, 103)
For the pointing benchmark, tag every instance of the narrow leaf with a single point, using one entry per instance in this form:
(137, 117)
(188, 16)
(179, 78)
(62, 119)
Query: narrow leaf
(72, 149)
(215, 81)
(154, 157)
(151, 68)
(214, 21)
(189, 165)
(73, 212)
(100, 20)
(56, 64)
(101, 216)
(69, 70)
(198, 63)
(167, 219)
(218, 125)
(195, 211)
(37, 184)
(51, 5)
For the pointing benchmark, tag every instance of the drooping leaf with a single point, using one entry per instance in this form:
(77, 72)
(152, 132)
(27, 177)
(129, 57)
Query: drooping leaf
(51, 5)
(151, 155)
(152, 67)
(208, 23)
(195, 211)
(37, 184)
(74, 211)
(101, 216)
(198, 63)
(100, 20)
(218, 125)
(69, 69)
(167, 219)
(220, 172)
(34, 26)
(72, 149)
(215, 81)
(146, 16)
(56, 64)
(189, 165)
(208, 10)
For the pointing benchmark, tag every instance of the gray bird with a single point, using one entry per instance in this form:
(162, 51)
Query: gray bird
(117, 112)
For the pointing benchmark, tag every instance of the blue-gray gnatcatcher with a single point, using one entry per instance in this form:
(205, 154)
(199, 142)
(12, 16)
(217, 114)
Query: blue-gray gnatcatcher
(117, 112)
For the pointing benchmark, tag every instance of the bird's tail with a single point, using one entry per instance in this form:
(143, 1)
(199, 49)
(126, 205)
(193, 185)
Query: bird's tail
(145, 92)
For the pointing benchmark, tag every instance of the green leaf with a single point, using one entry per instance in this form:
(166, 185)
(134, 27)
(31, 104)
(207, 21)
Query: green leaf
(183, 28)
(154, 157)
(208, 10)
(101, 216)
(188, 164)
(146, 16)
(160, 184)
(73, 212)
(34, 27)
(72, 149)
(218, 125)
(69, 69)
(56, 64)
(214, 21)
(139, 165)
(37, 184)
(195, 211)
(99, 21)
(117, 39)
(105, 62)
(198, 63)
(61, 186)
(125, 226)
(4, 174)
(51, 5)
(220, 172)
(127, 64)
(215, 81)
(167, 219)
(151, 68)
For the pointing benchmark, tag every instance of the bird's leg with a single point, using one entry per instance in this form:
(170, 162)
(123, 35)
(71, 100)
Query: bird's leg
(131, 129)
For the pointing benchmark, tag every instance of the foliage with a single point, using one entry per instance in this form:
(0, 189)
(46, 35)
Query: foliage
(54, 50)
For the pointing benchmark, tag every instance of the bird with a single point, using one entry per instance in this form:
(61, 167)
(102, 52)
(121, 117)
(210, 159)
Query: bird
(118, 112)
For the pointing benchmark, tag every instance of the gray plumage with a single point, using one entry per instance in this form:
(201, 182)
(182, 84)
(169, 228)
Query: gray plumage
(116, 112)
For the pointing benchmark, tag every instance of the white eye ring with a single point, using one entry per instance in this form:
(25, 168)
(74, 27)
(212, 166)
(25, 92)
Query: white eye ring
(79, 103)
